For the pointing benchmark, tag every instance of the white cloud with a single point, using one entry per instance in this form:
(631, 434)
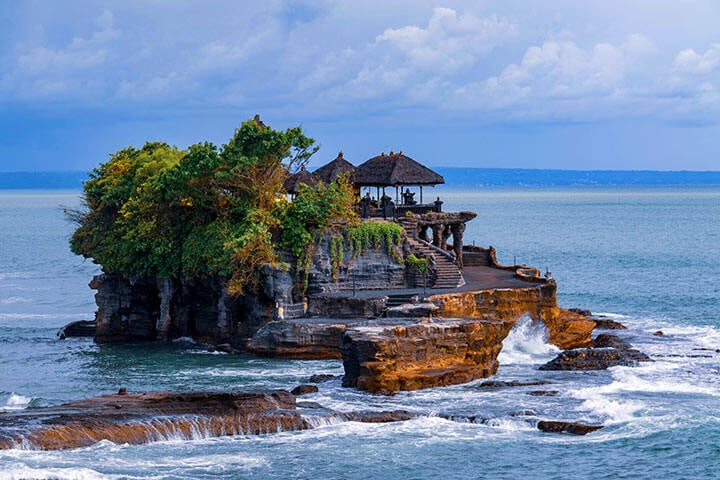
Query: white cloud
(688, 61)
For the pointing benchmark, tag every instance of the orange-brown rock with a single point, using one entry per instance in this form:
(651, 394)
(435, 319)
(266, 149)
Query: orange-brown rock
(567, 329)
(415, 354)
(139, 418)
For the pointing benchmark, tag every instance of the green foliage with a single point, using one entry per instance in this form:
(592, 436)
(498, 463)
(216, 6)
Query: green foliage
(313, 211)
(337, 253)
(375, 234)
(420, 264)
(163, 212)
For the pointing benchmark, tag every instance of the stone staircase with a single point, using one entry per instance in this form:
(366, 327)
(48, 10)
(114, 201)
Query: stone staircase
(446, 273)
(400, 299)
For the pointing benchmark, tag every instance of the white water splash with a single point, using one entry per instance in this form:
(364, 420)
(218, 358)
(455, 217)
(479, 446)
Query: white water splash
(527, 343)
(13, 401)
(19, 471)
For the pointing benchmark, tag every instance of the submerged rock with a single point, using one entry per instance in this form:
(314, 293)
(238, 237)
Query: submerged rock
(567, 427)
(607, 340)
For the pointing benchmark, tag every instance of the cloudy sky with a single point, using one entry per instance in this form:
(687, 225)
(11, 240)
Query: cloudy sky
(607, 84)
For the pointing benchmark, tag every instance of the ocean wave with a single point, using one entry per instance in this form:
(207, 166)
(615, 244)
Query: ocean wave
(18, 471)
(527, 343)
(12, 401)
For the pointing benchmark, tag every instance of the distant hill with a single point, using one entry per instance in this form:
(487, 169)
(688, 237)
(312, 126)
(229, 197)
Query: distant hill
(42, 180)
(454, 177)
(469, 177)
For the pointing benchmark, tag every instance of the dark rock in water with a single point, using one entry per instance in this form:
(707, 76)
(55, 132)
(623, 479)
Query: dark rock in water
(513, 383)
(377, 417)
(225, 347)
(595, 359)
(580, 311)
(607, 340)
(567, 427)
(543, 393)
(523, 413)
(321, 377)
(122, 391)
(82, 328)
(659, 333)
(304, 390)
(606, 324)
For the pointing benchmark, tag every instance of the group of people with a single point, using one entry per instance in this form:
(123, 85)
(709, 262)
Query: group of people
(387, 205)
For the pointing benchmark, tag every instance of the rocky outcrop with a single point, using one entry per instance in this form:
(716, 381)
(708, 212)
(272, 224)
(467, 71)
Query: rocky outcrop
(299, 339)
(145, 417)
(81, 328)
(346, 306)
(607, 324)
(567, 329)
(595, 359)
(415, 354)
(567, 427)
(148, 309)
(136, 418)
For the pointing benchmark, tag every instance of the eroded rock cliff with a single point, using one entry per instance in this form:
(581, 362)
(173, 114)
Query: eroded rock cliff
(415, 354)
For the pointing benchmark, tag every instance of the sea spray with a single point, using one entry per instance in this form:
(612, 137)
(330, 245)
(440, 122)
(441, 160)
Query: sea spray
(527, 343)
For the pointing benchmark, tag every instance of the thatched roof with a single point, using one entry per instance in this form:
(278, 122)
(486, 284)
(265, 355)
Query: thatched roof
(293, 182)
(331, 171)
(393, 170)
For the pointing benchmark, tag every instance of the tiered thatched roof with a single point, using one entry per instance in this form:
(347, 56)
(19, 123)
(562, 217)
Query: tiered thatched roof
(330, 172)
(293, 182)
(393, 170)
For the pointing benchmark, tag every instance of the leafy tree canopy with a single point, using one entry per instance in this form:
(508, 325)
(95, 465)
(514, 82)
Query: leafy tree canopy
(163, 212)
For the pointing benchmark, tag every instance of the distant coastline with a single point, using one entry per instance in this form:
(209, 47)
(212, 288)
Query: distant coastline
(457, 177)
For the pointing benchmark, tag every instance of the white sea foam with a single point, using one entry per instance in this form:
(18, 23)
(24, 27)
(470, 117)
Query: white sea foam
(13, 401)
(527, 343)
(20, 471)
(11, 300)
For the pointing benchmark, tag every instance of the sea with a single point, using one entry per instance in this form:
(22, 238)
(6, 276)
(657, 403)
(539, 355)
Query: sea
(647, 256)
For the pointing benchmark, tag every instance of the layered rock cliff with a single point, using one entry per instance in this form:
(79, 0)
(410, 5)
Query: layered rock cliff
(415, 354)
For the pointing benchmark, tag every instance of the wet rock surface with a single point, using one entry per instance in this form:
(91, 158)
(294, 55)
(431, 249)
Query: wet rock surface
(136, 418)
(492, 384)
(595, 359)
(421, 353)
(607, 324)
(304, 390)
(567, 427)
(143, 417)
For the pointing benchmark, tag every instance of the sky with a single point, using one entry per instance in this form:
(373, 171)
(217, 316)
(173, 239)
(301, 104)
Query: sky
(561, 84)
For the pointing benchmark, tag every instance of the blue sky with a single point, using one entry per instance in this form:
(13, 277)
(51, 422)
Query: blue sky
(520, 84)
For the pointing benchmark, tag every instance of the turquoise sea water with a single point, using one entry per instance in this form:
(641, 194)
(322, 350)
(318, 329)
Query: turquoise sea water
(646, 256)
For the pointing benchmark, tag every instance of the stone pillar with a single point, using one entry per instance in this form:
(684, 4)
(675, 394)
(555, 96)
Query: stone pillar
(438, 234)
(457, 232)
(423, 233)
(446, 235)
